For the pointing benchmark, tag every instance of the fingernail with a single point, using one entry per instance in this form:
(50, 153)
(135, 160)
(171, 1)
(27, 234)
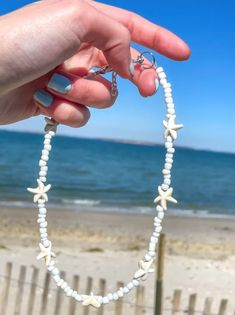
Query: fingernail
(43, 98)
(156, 84)
(59, 83)
(132, 67)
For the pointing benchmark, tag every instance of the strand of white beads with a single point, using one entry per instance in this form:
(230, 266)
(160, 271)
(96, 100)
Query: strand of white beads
(164, 196)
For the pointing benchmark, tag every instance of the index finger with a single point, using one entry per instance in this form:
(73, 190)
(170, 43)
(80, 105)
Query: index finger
(146, 33)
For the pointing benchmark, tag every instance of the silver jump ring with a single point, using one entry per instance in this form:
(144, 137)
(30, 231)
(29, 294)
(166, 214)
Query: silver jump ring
(140, 60)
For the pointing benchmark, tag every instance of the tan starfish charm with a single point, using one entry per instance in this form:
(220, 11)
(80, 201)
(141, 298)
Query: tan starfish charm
(144, 269)
(46, 253)
(90, 300)
(171, 127)
(164, 197)
(40, 192)
(51, 124)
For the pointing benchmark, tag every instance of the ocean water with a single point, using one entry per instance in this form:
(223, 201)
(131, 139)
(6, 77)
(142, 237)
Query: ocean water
(111, 176)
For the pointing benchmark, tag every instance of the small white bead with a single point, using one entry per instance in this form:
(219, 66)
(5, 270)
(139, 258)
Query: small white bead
(167, 181)
(74, 294)
(115, 296)
(135, 282)
(42, 230)
(120, 293)
(51, 133)
(44, 237)
(47, 136)
(78, 298)
(171, 150)
(170, 105)
(60, 282)
(168, 166)
(50, 268)
(155, 234)
(65, 286)
(152, 247)
(158, 229)
(168, 90)
(105, 300)
(47, 141)
(69, 292)
(159, 208)
(162, 75)
(168, 160)
(45, 158)
(45, 152)
(110, 296)
(42, 210)
(165, 172)
(156, 223)
(169, 155)
(47, 147)
(159, 70)
(167, 176)
(153, 239)
(43, 224)
(55, 271)
(168, 144)
(171, 111)
(167, 94)
(42, 163)
(156, 219)
(42, 174)
(169, 100)
(43, 179)
(147, 257)
(160, 215)
(169, 139)
(44, 168)
(152, 254)
(167, 85)
(165, 187)
(126, 290)
(40, 220)
(46, 243)
(163, 82)
(41, 216)
(56, 278)
(130, 285)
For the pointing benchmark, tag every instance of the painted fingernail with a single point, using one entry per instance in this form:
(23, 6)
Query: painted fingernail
(132, 67)
(59, 83)
(156, 84)
(43, 98)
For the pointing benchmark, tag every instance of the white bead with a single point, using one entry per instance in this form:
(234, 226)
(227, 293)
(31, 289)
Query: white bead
(42, 230)
(168, 90)
(51, 133)
(167, 176)
(115, 296)
(120, 293)
(47, 136)
(156, 223)
(158, 229)
(130, 285)
(45, 158)
(69, 292)
(159, 208)
(163, 82)
(74, 294)
(40, 220)
(43, 179)
(46, 243)
(168, 160)
(165, 172)
(135, 282)
(110, 296)
(67, 288)
(169, 155)
(44, 237)
(152, 247)
(56, 278)
(42, 163)
(162, 75)
(170, 105)
(50, 268)
(171, 111)
(43, 224)
(169, 100)
(78, 298)
(155, 234)
(168, 166)
(41, 216)
(42, 210)
(47, 147)
(44, 168)
(171, 150)
(45, 152)
(168, 144)
(42, 173)
(60, 282)
(160, 215)
(159, 70)
(167, 181)
(126, 290)
(169, 139)
(147, 257)
(105, 300)
(153, 239)
(156, 219)
(167, 85)
(47, 141)
(55, 271)
(151, 253)
(167, 94)
(165, 187)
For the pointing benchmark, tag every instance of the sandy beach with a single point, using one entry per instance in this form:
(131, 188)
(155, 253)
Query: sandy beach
(200, 252)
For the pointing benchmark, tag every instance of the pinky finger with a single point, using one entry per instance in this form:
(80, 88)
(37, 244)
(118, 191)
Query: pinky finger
(64, 112)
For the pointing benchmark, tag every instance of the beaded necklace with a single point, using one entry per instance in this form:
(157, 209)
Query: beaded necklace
(164, 196)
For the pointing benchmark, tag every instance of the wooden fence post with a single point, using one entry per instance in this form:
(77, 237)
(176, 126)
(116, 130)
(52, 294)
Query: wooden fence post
(176, 302)
(102, 288)
(59, 297)
(223, 307)
(159, 276)
(32, 293)
(6, 288)
(139, 300)
(192, 304)
(45, 294)
(73, 303)
(20, 290)
(119, 303)
(207, 306)
(88, 292)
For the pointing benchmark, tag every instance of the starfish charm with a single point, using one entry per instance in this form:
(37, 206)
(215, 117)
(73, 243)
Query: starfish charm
(51, 124)
(144, 269)
(90, 300)
(165, 196)
(171, 127)
(46, 253)
(40, 192)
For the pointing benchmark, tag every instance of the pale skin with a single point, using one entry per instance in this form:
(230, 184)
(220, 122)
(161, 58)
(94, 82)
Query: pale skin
(69, 37)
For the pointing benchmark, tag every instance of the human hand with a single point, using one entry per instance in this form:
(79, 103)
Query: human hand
(68, 37)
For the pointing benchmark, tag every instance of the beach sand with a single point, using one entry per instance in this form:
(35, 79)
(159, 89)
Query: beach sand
(200, 252)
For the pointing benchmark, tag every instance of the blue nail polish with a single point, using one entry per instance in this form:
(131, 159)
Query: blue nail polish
(43, 98)
(59, 83)
(132, 67)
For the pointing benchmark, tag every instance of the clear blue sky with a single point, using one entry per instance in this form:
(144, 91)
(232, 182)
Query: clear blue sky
(204, 85)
